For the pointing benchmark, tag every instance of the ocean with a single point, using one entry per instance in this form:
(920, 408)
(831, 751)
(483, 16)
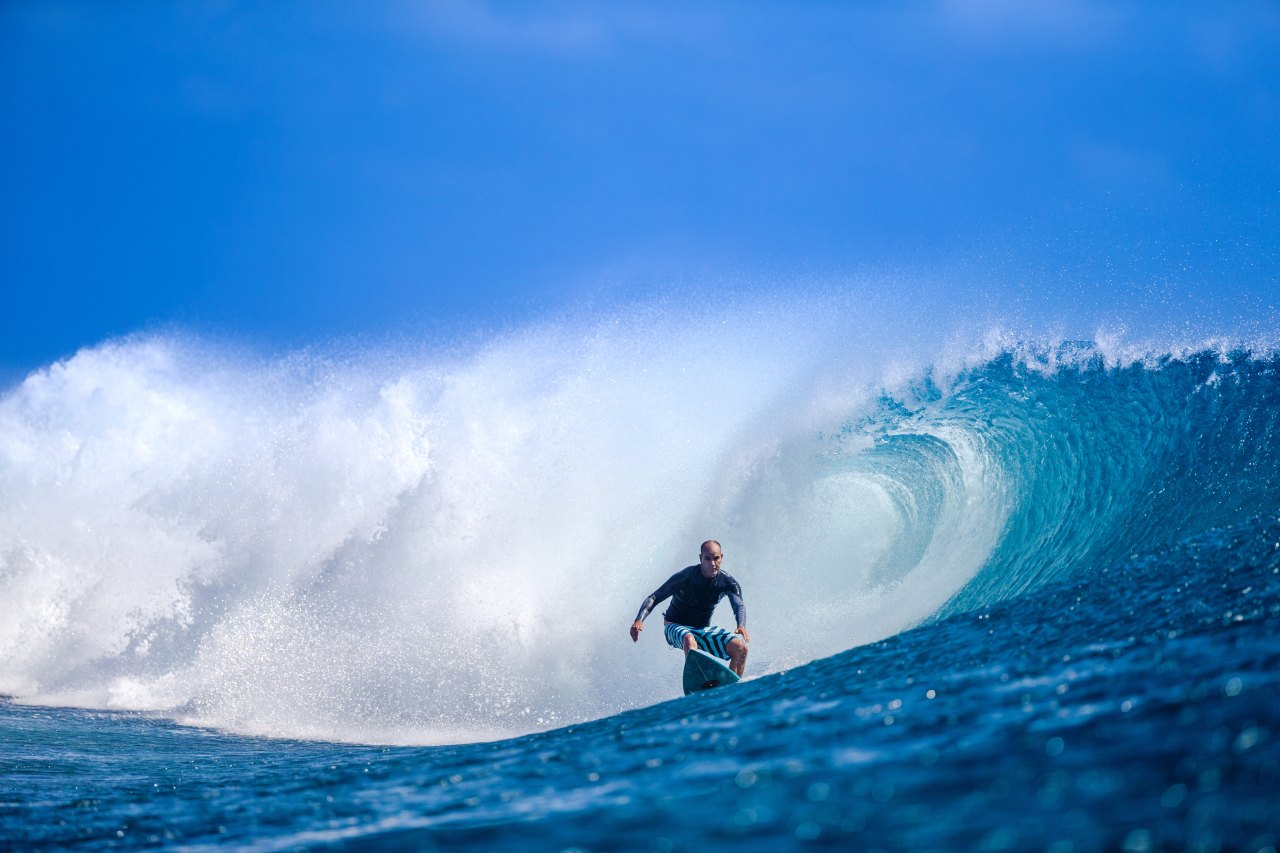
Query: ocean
(1005, 592)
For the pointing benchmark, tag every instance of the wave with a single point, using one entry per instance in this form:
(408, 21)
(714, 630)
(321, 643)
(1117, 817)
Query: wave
(421, 548)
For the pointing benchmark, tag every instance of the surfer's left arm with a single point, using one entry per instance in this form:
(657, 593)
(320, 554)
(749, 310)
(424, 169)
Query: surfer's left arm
(739, 610)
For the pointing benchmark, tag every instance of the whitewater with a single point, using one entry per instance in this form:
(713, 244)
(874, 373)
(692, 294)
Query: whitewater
(993, 575)
(420, 550)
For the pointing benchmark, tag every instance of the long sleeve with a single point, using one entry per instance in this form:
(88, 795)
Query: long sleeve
(735, 601)
(659, 595)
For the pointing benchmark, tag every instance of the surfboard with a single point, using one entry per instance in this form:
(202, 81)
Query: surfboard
(703, 671)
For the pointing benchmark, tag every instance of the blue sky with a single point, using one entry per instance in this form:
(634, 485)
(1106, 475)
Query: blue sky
(296, 172)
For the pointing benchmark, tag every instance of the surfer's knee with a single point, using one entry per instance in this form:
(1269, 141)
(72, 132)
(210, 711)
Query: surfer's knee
(737, 650)
(690, 642)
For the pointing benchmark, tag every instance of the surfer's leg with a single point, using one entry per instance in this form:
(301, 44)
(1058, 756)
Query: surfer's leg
(737, 649)
(680, 637)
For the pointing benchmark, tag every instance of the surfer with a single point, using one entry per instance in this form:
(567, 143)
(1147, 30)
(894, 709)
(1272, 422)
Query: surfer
(695, 591)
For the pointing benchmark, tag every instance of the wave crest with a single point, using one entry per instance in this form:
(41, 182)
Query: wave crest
(427, 549)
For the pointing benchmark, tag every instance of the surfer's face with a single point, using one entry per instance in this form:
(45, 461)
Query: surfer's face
(710, 559)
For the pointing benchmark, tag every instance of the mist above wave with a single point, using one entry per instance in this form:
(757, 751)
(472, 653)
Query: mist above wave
(420, 548)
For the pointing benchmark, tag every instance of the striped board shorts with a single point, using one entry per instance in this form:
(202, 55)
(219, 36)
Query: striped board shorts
(712, 639)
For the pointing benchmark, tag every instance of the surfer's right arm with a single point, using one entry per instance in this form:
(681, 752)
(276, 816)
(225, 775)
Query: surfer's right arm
(659, 595)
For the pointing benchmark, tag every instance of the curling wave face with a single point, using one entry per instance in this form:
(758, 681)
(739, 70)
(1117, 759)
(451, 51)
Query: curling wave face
(441, 548)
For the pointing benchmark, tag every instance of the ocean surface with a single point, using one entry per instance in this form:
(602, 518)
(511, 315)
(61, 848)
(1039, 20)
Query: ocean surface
(1013, 592)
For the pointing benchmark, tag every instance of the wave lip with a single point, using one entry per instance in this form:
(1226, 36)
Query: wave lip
(1116, 460)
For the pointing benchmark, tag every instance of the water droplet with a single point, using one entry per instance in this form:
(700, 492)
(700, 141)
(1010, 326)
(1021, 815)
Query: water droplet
(1138, 840)
(1248, 739)
(1173, 796)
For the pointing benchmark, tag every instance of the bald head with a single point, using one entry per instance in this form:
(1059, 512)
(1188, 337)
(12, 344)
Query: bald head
(709, 557)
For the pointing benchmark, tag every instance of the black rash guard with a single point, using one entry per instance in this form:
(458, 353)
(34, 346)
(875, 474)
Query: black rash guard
(695, 598)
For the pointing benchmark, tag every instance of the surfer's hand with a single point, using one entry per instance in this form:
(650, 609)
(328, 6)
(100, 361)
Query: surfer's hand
(636, 627)
(743, 631)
